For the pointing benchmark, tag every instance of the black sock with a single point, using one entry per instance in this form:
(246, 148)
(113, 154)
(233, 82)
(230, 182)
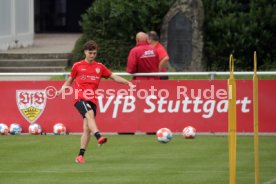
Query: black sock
(82, 151)
(97, 135)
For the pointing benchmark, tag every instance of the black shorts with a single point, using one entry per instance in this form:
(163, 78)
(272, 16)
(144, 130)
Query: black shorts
(84, 106)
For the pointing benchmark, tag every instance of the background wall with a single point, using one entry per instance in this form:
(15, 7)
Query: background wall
(17, 23)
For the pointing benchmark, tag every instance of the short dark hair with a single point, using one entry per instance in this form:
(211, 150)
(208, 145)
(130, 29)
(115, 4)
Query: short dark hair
(90, 45)
(153, 35)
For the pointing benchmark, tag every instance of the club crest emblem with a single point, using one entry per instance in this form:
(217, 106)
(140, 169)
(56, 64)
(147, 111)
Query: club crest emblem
(31, 103)
(98, 70)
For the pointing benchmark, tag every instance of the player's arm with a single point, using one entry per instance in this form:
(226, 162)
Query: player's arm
(121, 80)
(66, 84)
(163, 63)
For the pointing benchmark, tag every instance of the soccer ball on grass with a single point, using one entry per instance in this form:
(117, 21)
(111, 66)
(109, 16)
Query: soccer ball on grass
(15, 129)
(189, 132)
(4, 129)
(35, 129)
(164, 135)
(59, 129)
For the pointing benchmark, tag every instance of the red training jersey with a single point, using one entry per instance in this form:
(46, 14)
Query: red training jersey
(161, 53)
(143, 58)
(87, 78)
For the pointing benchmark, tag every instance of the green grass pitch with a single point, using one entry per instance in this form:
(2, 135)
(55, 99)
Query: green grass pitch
(135, 159)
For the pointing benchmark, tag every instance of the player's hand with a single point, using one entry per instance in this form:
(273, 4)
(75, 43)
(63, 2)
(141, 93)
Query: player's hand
(58, 93)
(131, 85)
(62, 89)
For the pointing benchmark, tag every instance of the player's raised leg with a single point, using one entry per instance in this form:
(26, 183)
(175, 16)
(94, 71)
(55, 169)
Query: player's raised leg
(93, 127)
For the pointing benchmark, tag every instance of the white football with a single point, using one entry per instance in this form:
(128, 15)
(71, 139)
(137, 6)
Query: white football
(4, 129)
(164, 135)
(35, 129)
(15, 129)
(189, 132)
(59, 129)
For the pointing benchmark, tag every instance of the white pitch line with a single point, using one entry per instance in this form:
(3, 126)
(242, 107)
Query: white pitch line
(27, 172)
(273, 181)
(75, 171)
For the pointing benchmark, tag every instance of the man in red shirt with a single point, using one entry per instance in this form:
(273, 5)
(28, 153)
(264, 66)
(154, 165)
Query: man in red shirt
(87, 74)
(143, 58)
(153, 39)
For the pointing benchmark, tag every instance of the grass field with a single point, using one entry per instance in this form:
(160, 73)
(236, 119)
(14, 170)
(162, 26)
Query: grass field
(135, 159)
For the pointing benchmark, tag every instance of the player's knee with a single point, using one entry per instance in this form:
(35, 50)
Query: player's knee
(90, 115)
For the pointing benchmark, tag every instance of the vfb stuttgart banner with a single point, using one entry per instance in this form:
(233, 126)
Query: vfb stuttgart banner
(146, 108)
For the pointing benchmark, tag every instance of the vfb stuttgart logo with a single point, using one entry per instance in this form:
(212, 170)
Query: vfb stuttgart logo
(31, 103)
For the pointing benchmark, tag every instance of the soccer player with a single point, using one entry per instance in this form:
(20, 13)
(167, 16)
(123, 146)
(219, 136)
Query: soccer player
(87, 74)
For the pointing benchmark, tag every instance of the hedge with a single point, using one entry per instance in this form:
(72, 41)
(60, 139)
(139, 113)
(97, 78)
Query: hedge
(230, 26)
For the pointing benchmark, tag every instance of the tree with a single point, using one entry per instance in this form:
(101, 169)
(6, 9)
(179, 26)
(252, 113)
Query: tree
(114, 23)
(232, 26)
